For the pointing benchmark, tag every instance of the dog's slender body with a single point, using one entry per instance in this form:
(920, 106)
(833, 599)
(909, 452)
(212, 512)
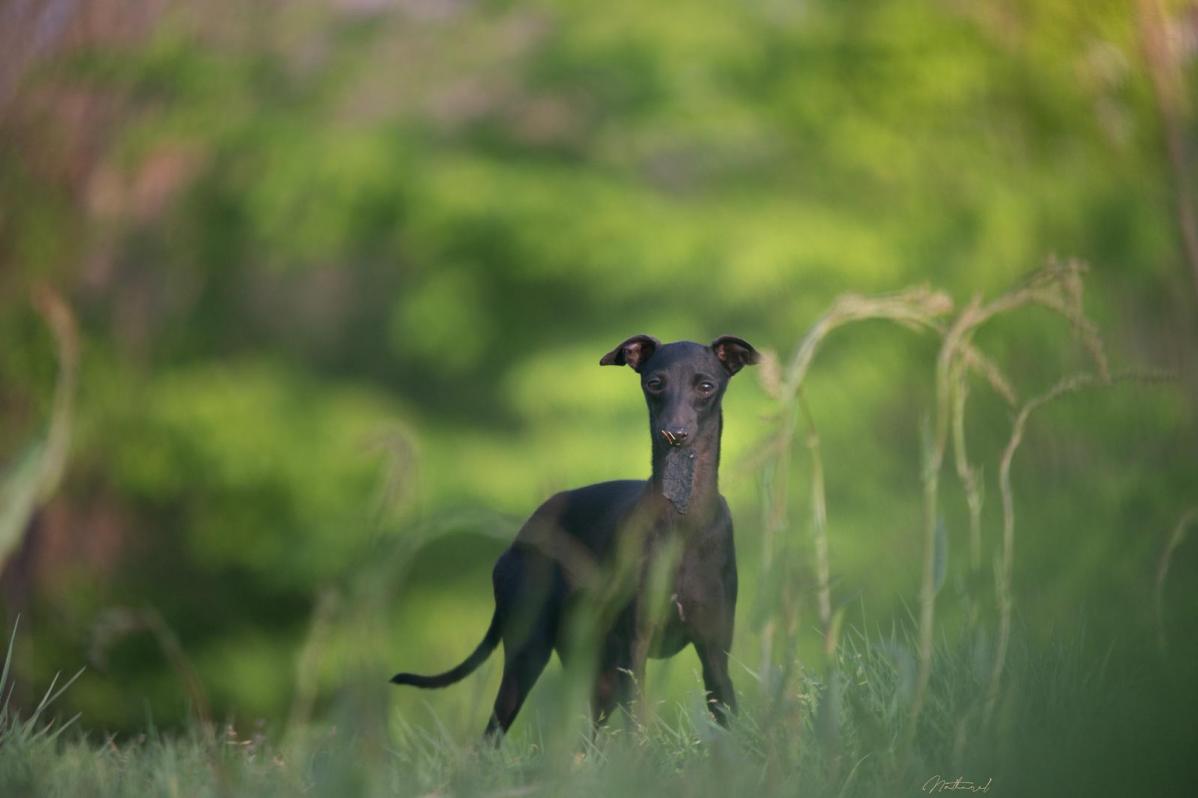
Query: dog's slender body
(599, 545)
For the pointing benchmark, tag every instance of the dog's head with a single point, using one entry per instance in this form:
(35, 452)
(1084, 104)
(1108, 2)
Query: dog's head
(683, 381)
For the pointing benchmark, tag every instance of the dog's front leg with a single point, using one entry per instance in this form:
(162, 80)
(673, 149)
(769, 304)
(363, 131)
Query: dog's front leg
(644, 630)
(721, 697)
(656, 585)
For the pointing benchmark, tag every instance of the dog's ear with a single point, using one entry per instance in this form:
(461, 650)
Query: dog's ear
(634, 352)
(735, 353)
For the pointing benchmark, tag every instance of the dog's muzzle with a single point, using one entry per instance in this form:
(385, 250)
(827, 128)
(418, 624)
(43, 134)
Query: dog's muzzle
(675, 437)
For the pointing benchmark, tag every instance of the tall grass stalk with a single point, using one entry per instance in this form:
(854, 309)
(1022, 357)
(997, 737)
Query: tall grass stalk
(968, 476)
(1057, 287)
(917, 309)
(117, 623)
(36, 475)
(1176, 537)
(1005, 562)
(819, 533)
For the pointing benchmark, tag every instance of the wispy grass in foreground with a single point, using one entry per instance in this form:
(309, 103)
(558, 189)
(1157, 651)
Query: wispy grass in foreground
(1076, 721)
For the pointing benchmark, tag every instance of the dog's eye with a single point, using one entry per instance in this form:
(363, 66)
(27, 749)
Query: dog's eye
(655, 384)
(707, 386)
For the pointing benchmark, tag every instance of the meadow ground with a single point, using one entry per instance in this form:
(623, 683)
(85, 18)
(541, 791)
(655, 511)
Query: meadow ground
(1076, 718)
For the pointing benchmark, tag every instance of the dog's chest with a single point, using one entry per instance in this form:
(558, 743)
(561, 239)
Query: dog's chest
(690, 601)
(696, 582)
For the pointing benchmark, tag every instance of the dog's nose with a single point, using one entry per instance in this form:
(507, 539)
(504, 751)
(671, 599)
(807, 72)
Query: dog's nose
(676, 436)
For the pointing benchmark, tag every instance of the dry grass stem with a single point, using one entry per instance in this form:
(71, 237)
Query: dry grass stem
(307, 664)
(1057, 287)
(915, 307)
(1004, 566)
(819, 531)
(965, 471)
(35, 477)
(120, 622)
(1176, 538)
(1005, 563)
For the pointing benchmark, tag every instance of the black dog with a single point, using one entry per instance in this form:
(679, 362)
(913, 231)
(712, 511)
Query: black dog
(677, 520)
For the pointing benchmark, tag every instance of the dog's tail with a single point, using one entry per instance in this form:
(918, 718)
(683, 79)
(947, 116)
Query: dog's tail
(471, 663)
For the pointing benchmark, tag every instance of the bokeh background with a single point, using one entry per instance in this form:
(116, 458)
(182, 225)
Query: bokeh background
(342, 273)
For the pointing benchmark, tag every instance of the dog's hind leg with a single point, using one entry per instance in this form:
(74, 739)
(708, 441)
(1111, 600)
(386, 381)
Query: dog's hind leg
(523, 581)
(521, 667)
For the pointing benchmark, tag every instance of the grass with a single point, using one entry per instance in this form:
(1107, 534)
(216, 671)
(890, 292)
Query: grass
(1079, 719)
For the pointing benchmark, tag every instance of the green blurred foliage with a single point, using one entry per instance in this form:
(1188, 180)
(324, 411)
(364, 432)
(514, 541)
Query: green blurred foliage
(344, 272)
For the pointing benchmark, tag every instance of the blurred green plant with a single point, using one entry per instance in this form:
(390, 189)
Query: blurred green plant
(33, 478)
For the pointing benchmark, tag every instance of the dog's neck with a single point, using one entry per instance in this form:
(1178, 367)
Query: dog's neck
(687, 477)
